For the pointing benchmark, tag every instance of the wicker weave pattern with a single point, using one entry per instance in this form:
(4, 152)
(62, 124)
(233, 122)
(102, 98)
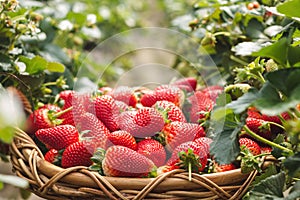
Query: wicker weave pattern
(52, 182)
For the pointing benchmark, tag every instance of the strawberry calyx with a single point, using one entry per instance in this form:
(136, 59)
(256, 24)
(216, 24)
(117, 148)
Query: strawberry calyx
(189, 161)
(97, 159)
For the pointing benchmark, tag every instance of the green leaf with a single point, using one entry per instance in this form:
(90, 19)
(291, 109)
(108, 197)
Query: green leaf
(288, 8)
(294, 192)
(5, 62)
(293, 55)
(34, 65)
(242, 103)
(55, 67)
(225, 147)
(7, 134)
(25, 194)
(271, 170)
(293, 164)
(276, 51)
(14, 180)
(1, 185)
(270, 188)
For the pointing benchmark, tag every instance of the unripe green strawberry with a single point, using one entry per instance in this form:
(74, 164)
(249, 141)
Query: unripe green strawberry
(58, 137)
(121, 161)
(153, 150)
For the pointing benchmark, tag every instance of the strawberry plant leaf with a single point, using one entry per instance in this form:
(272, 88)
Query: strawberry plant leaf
(271, 170)
(55, 67)
(242, 103)
(276, 51)
(270, 188)
(293, 164)
(294, 192)
(288, 8)
(34, 65)
(225, 146)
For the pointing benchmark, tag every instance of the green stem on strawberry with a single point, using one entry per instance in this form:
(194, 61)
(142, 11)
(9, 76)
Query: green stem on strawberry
(278, 125)
(56, 115)
(268, 142)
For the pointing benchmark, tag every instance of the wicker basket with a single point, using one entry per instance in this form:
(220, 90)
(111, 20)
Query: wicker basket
(52, 182)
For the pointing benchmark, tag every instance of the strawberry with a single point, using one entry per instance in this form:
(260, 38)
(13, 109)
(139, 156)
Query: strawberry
(170, 111)
(165, 92)
(153, 150)
(205, 141)
(66, 96)
(125, 94)
(223, 167)
(166, 168)
(142, 123)
(266, 149)
(189, 154)
(58, 137)
(94, 130)
(188, 84)
(179, 132)
(77, 154)
(201, 106)
(44, 117)
(260, 127)
(251, 145)
(122, 138)
(276, 121)
(107, 110)
(124, 162)
(212, 92)
(252, 112)
(53, 156)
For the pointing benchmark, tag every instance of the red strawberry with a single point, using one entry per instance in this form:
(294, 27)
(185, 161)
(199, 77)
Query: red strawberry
(189, 152)
(58, 137)
(43, 117)
(107, 110)
(188, 84)
(179, 132)
(201, 106)
(77, 154)
(53, 156)
(153, 150)
(125, 94)
(260, 127)
(144, 122)
(252, 112)
(223, 167)
(66, 96)
(166, 168)
(172, 112)
(251, 145)
(124, 162)
(122, 138)
(205, 141)
(213, 91)
(275, 129)
(266, 149)
(164, 92)
(97, 131)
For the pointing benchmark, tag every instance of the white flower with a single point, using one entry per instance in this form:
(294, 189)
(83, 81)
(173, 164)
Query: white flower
(65, 25)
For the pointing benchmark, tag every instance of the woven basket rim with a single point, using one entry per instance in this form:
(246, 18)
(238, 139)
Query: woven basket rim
(28, 162)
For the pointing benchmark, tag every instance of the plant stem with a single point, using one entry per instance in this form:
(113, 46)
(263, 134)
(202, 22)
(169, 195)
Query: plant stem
(280, 126)
(190, 171)
(62, 112)
(238, 60)
(268, 142)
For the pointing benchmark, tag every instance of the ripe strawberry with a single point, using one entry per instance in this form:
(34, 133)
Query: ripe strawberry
(122, 138)
(94, 130)
(266, 149)
(43, 117)
(189, 153)
(275, 129)
(223, 167)
(213, 92)
(177, 133)
(251, 145)
(188, 84)
(124, 162)
(77, 154)
(58, 137)
(125, 94)
(153, 150)
(66, 96)
(166, 168)
(53, 156)
(201, 106)
(107, 110)
(205, 141)
(170, 111)
(165, 92)
(252, 112)
(260, 127)
(142, 123)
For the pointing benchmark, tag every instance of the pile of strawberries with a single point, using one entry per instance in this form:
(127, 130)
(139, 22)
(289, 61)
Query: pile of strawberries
(132, 132)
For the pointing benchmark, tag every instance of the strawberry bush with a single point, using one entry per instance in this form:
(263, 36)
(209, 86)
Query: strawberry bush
(249, 116)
